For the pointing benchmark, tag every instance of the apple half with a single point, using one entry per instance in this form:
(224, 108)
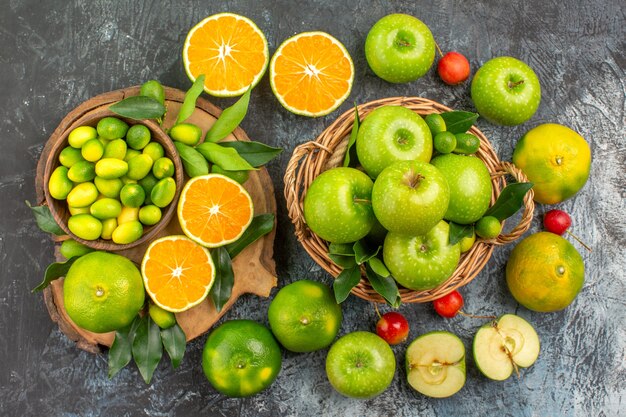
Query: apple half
(435, 364)
(505, 344)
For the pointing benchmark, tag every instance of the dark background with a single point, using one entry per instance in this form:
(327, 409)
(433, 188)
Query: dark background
(55, 55)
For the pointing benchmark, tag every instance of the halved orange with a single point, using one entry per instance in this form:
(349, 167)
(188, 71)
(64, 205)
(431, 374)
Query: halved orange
(214, 210)
(177, 273)
(230, 50)
(311, 74)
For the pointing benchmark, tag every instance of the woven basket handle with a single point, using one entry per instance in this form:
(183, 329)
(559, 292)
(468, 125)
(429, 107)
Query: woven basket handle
(529, 205)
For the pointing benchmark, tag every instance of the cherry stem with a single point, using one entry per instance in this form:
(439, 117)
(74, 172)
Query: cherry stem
(377, 312)
(475, 316)
(578, 240)
(439, 49)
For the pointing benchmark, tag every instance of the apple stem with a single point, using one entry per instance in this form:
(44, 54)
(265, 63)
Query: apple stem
(439, 49)
(362, 200)
(475, 316)
(515, 84)
(578, 240)
(377, 312)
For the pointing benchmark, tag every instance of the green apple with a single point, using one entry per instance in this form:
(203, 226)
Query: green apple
(360, 365)
(421, 262)
(500, 347)
(400, 48)
(506, 91)
(410, 197)
(470, 186)
(390, 134)
(435, 364)
(337, 205)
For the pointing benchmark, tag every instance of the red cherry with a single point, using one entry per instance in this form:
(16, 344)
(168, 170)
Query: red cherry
(449, 305)
(393, 328)
(557, 221)
(453, 68)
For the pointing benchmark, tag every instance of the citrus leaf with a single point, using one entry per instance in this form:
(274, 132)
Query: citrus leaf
(351, 158)
(226, 158)
(378, 267)
(189, 103)
(147, 347)
(193, 162)
(138, 108)
(385, 286)
(364, 251)
(509, 201)
(45, 220)
(224, 277)
(345, 281)
(256, 153)
(174, 342)
(120, 353)
(343, 249)
(53, 271)
(343, 261)
(229, 119)
(261, 225)
(460, 231)
(459, 121)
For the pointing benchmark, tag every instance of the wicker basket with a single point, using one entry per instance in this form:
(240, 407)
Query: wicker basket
(327, 151)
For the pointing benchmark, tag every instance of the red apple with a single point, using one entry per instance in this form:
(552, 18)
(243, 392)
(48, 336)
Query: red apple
(393, 328)
(453, 68)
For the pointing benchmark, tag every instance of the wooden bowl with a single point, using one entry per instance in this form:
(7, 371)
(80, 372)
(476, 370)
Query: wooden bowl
(59, 208)
(327, 151)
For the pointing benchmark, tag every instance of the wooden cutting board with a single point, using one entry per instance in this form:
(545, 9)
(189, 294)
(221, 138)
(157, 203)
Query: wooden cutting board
(255, 270)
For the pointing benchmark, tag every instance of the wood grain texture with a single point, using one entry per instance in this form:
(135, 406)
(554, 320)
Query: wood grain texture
(56, 55)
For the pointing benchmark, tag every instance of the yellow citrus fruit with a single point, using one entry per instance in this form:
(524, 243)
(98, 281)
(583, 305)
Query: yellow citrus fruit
(545, 272)
(103, 292)
(177, 273)
(311, 74)
(556, 159)
(230, 50)
(304, 316)
(214, 210)
(241, 358)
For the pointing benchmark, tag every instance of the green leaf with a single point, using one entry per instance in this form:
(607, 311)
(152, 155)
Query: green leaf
(53, 271)
(364, 251)
(351, 157)
(459, 231)
(459, 121)
(256, 153)
(378, 267)
(343, 261)
(510, 200)
(345, 281)
(225, 158)
(44, 219)
(193, 161)
(385, 286)
(343, 249)
(174, 342)
(224, 277)
(138, 108)
(229, 119)
(261, 225)
(120, 353)
(147, 347)
(189, 103)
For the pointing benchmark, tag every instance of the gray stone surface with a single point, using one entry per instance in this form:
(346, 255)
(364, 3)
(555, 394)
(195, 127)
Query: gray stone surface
(56, 54)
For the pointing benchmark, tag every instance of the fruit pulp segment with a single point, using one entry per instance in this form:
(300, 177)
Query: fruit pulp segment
(229, 50)
(522, 336)
(490, 354)
(312, 73)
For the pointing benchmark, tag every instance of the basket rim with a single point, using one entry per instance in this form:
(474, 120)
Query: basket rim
(327, 150)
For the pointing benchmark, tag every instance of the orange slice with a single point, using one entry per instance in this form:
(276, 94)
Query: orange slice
(177, 273)
(214, 210)
(230, 50)
(311, 74)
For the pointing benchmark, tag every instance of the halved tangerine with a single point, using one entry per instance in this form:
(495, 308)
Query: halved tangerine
(214, 210)
(311, 74)
(177, 273)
